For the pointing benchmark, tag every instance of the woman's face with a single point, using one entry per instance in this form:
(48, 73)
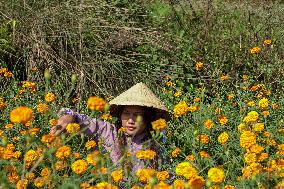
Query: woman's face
(132, 120)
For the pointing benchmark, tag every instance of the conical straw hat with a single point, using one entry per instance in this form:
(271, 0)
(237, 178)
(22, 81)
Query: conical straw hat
(139, 95)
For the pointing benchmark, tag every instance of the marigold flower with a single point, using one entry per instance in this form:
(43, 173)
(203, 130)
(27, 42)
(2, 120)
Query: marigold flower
(204, 154)
(196, 182)
(176, 152)
(73, 128)
(208, 124)
(204, 139)
(21, 114)
(247, 139)
(265, 113)
(42, 108)
(63, 152)
(96, 104)
(39, 182)
(177, 94)
(117, 176)
(169, 83)
(30, 176)
(79, 166)
(229, 187)
(145, 174)
(216, 175)
(190, 158)
(9, 126)
(198, 66)
(223, 138)
(223, 120)
(31, 156)
(146, 154)
(159, 125)
(263, 103)
(255, 50)
(186, 169)
(163, 175)
(107, 117)
(60, 165)
(181, 109)
(262, 157)
(179, 184)
(218, 110)
(53, 122)
(21, 184)
(48, 139)
(45, 172)
(267, 41)
(251, 117)
(93, 158)
(193, 108)
(90, 144)
(50, 97)
(258, 127)
(224, 77)
(196, 100)
(250, 158)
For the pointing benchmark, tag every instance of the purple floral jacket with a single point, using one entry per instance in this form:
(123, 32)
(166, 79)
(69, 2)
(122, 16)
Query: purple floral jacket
(103, 130)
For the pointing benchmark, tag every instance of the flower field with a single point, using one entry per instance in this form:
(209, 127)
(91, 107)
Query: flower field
(235, 141)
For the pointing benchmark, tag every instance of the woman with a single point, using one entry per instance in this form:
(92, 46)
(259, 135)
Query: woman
(136, 108)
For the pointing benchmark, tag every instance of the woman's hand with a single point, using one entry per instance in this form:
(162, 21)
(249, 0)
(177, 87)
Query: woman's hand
(62, 122)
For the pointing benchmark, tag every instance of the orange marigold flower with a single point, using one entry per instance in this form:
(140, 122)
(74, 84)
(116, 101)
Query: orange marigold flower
(255, 50)
(107, 117)
(224, 77)
(267, 42)
(247, 139)
(96, 103)
(179, 184)
(79, 166)
(39, 182)
(176, 152)
(196, 182)
(181, 109)
(145, 174)
(204, 154)
(190, 158)
(163, 175)
(223, 120)
(193, 108)
(31, 156)
(258, 127)
(21, 114)
(198, 66)
(42, 108)
(45, 172)
(63, 152)
(204, 139)
(208, 124)
(53, 122)
(159, 125)
(146, 154)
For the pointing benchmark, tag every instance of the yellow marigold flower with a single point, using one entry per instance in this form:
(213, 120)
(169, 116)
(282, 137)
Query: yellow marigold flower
(271, 142)
(39, 182)
(186, 169)
(216, 175)
(30, 176)
(145, 174)
(176, 152)
(8, 74)
(224, 77)
(255, 50)
(181, 109)
(229, 187)
(251, 103)
(42, 108)
(60, 165)
(50, 97)
(223, 138)
(3, 70)
(107, 117)
(63, 152)
(73, 128)
(179, 184)
(256, 149)
(28, 85)
(242, 127)
(90, 144)
(93, 158)
(198, 66)
(177, 94)
(247, 139)
(146, 154)
(204, 154)
(193, 108)
(79, 166)
(169, 84)
(21, 184)
(204, 139)
(104, 185)
(21, 114)
(218, 110)
(117, 176)
(96, 104)
(252, 116)
(163, 175)
(31, 156)
(34, 131)
(258, 127)
(196, 182)
(267, 42)
(53, 122)
(208, 124)
(223, 120)
(45, 172)
(263, 103)
(17, 154)
(265, 113)
(48, 139)
(250, 158)
(159, 125)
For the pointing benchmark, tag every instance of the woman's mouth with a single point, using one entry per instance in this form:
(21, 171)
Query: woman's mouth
(130, 128)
